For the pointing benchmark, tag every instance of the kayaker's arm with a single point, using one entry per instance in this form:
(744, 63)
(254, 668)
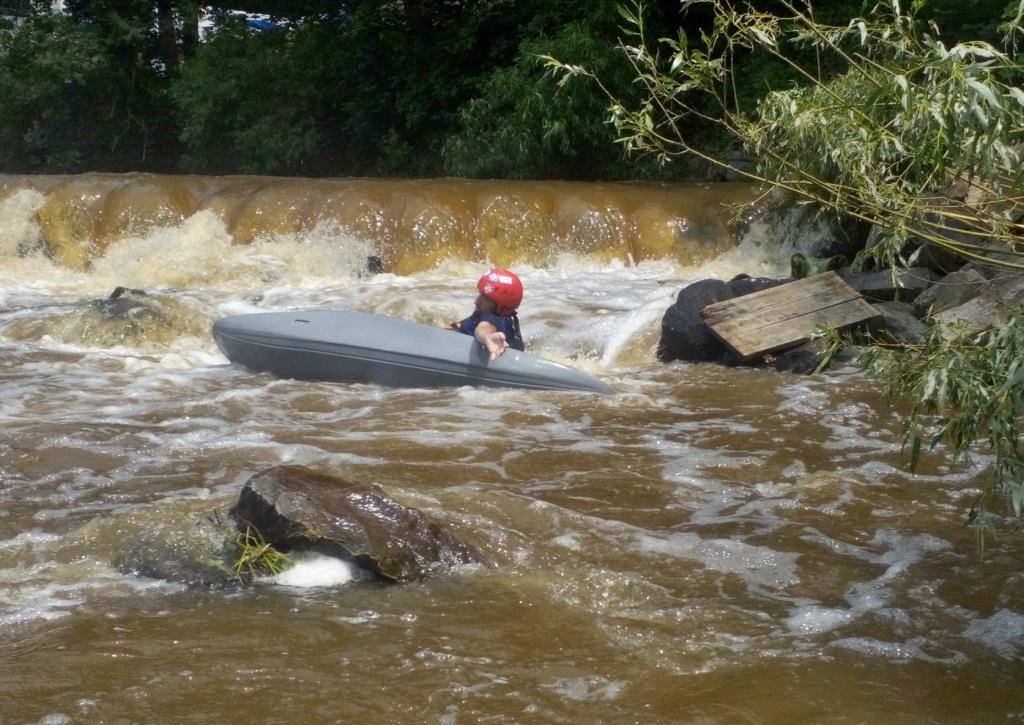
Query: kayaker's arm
(490, 337)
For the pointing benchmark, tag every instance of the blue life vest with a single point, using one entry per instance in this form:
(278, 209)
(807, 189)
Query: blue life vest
(508, 325)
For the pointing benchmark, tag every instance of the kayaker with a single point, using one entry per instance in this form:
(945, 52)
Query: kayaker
(494, 322)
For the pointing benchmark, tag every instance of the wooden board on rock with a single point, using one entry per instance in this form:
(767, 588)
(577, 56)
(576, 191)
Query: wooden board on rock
(783, 316)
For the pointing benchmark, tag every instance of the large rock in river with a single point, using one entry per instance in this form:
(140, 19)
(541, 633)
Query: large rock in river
(294, 507)
(684, 336)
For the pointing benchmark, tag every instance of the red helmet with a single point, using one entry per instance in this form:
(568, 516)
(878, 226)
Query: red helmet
(503, 288)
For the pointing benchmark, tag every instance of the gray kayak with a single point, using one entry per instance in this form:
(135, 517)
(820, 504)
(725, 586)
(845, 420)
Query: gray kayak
(361, 347)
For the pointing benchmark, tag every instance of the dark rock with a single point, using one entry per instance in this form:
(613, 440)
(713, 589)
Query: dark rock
(374, 265)
(684, 336)
(960, 216)
(938, 259)
(121, 291)
(801, 360)
(898, 322)
(197, 574)
(865, 260)
(125, 308)
(130, 305)
(740, 166)
(949, 219)
(848, 238)
(921, 254)
(294, 507)
(951, 291)
(988, 271)
(903, 285)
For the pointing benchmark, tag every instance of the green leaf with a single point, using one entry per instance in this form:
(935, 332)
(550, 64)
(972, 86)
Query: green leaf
(985, 92)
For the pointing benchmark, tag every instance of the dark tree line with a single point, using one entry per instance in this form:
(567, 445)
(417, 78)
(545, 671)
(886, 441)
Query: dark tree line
(331, 88)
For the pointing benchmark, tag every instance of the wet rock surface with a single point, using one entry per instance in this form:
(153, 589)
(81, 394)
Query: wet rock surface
(898, 322)
(902, 285)
(171, 566)
(133, 308)
(293, 507)
(952, 291)
(189, 542)
(684, 336)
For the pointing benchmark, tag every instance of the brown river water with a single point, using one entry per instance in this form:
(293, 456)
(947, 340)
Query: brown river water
(703, 545)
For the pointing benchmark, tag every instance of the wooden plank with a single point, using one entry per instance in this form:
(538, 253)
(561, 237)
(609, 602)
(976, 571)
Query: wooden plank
(786, 315)
(802, 288)
(752, 341)
(780, 309)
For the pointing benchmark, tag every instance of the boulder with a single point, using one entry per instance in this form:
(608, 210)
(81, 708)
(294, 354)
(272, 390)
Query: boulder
(374, 265)
(962, 215)
(804, 359)
(293, 507)
(991, 308)
(891, 284)
(190, 542)
(899, 322)
(124, 303)
(847, 238)
(684, 336)
(949, 292)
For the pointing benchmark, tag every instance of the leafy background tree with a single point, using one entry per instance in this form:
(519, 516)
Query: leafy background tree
(340, 88)
(353, 87)
(77, 97)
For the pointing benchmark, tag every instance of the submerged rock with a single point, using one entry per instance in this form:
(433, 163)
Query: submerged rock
(801, 360)
(131, 307)
(191, 542)
(120, 291)
(154, 563)
(293, 507)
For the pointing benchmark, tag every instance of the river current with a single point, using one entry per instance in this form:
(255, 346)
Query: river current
(702, 545)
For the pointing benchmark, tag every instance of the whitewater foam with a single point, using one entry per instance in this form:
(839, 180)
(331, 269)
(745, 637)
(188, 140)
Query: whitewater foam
(315, 570)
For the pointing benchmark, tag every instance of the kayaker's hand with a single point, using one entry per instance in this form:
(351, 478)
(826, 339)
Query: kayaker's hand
(492, 339)
(495, 343)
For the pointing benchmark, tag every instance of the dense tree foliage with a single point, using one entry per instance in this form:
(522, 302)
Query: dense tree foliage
(411, 89)
(341, 87)
(76, 98)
